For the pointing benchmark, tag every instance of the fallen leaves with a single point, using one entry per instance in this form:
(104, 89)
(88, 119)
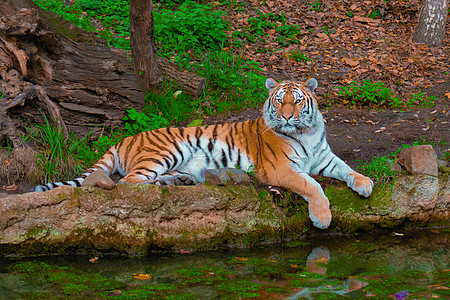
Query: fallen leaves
(11, 187)
(241, 259)
(351, 62)
(94, 260)
(141, 276)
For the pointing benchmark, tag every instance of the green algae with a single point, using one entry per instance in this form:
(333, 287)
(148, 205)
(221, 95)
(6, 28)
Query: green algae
(251, 274)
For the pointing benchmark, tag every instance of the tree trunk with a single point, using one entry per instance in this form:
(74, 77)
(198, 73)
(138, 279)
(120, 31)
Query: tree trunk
(143, 47)
(432, 20)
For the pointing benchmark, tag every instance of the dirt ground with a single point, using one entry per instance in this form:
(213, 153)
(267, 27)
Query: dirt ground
(362, 134)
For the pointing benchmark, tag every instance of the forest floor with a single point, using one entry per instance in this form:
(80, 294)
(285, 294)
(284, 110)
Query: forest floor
(347, 41)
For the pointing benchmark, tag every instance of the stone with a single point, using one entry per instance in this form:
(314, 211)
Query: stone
(395, 166)
(99, 178)
(222, 176)
(216, 177)
(238, 176)
(419, 160)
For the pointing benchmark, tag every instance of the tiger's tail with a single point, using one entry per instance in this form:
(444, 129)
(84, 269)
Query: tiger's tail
(108, 162)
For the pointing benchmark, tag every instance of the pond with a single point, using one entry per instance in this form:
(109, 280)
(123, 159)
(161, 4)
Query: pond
(407, 265)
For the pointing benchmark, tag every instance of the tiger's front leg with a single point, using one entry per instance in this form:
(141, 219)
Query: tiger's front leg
(308, 188)
(338, 169)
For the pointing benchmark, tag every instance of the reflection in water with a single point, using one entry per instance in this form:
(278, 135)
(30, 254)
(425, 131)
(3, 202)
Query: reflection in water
(317, 263)
(350, 266)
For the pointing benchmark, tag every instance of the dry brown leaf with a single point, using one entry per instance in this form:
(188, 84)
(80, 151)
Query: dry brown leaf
(12, 187)
(141, 276)
(352, 63)
(241, 258)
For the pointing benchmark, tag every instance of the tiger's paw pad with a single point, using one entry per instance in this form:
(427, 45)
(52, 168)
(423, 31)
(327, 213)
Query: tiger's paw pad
(361, 184)
(320, 215)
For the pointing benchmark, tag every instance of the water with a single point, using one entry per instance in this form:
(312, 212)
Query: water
(383, 266)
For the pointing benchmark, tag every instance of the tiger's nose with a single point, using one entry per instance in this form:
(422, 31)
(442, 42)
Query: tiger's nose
(287, 117)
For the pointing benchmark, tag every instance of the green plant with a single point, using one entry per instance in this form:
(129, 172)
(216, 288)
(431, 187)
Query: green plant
(192, 26)
(1, 95)
(298, 56)
(140, 122)
(316, 5)
(368, 94)
(327, 32)
(72, 13)
(418, 99)
(374, 14)
(59, 156)
(233, 80)
(379, 167)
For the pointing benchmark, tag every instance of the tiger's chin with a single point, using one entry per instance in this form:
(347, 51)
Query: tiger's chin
(290, 129)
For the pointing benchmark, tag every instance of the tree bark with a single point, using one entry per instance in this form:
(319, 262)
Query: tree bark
(432, 20)
(143, 47)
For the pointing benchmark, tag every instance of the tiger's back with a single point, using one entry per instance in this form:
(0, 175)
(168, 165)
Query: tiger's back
(283, 146)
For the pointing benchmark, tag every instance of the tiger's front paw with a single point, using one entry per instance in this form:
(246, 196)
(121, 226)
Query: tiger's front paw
(361, 184)
(320, 213)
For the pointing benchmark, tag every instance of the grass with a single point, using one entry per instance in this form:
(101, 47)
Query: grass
(379, 167)
(376, 95)
(59, 156)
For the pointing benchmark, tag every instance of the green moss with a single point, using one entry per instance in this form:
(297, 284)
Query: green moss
(36, 232)
(327, 295)
(66, 281)
(345, 200)
(240, 287)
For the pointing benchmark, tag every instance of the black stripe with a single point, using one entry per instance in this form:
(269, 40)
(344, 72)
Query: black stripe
(210, 145)
(216, 163)
(239, 159)
(290, 159)
(214, 134)
(152, 159)
(270, 148)
(224, 159)
(127, 150)
(188, 138)
(303, 147)
(144, 171)
(229, 146)
(332, 169)
(198, 134)
(246, 140)
(323, 169)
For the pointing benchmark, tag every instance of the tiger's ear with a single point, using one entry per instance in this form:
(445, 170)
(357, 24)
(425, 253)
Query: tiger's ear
(311, 84)
(270, 83)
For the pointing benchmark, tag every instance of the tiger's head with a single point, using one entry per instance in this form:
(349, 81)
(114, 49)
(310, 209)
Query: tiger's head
(291, 107)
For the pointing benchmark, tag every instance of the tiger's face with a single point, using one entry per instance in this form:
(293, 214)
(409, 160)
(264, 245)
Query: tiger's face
(291, 106)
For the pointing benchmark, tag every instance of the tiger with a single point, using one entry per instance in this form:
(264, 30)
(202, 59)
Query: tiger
(283, 147)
